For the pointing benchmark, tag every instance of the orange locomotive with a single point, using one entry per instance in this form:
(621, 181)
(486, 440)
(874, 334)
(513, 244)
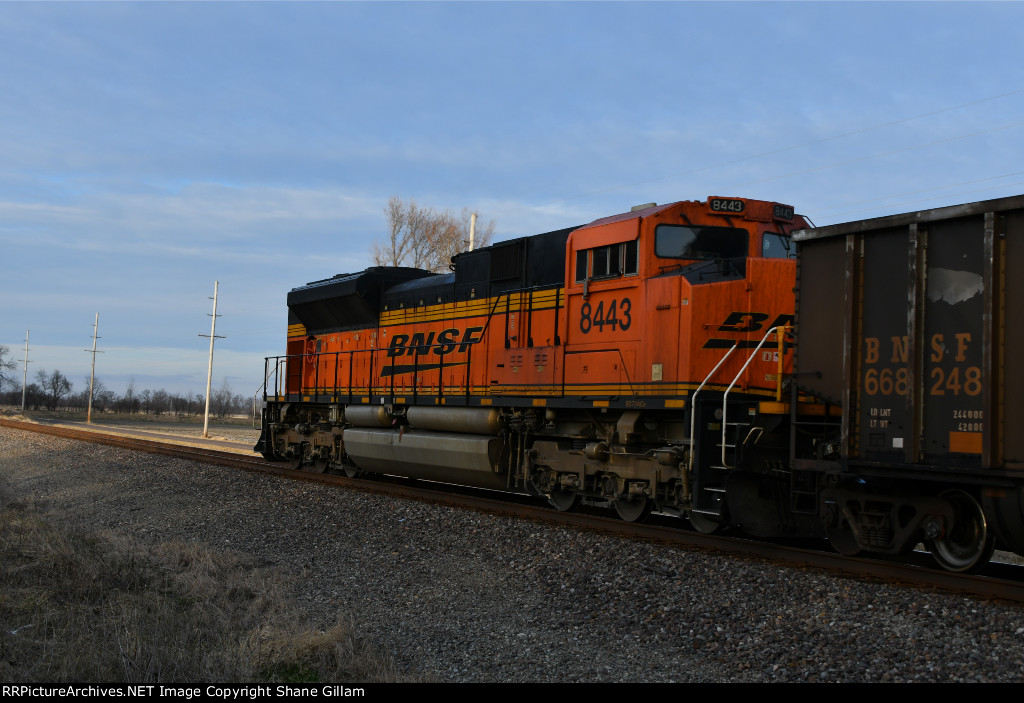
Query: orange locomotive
(633, 362)
(639, 362)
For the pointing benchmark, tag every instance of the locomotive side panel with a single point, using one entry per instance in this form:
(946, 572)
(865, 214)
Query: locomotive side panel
(667, 316)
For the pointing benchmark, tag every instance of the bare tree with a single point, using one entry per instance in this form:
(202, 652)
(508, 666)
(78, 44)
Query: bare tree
(33, 396)
(146, 401)
(6, 365)
(129, 403)
(101, 395)
(426, 239)
(223, 402)
(54, 386)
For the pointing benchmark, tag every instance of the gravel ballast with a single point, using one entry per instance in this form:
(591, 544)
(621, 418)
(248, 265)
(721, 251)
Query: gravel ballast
(460, 596)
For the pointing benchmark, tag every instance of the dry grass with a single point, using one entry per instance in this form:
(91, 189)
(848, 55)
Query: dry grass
(77, 607)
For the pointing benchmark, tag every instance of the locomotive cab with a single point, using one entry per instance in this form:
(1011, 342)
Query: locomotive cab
(657, 296)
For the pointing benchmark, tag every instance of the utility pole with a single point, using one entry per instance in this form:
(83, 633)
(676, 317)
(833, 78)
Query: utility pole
(92, 374)
(24, 380)
(209, 371)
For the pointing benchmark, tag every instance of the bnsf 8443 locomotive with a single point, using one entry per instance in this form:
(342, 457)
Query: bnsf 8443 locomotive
(649, 361)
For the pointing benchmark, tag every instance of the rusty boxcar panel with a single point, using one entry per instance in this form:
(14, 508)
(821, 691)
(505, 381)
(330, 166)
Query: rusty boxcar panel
(883, 415)
(822, 268)
(912, 317)
(1011, 324)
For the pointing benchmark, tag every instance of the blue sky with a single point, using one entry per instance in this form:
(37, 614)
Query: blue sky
(149, 149)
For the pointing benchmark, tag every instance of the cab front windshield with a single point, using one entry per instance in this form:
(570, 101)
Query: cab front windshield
(699, 242)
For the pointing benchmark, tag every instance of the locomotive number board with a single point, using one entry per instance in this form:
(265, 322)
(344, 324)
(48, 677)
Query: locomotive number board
(727, 205)
(782, 212)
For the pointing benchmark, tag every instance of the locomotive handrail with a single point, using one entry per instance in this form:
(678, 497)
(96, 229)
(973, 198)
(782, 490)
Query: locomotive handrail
(530, 290)
(693, 401)
(263, 386)
(317, 357)
(725, 396)
(278, 362)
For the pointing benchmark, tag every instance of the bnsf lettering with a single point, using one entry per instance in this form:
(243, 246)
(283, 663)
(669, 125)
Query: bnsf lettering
(423, 343)
(446, 341)
(740, 322)
(751, 322)
(949, 379)
(899, 347)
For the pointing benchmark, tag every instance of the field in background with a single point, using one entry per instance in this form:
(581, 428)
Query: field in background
(231, 428)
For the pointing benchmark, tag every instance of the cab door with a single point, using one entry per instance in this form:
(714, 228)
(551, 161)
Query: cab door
(604, 306)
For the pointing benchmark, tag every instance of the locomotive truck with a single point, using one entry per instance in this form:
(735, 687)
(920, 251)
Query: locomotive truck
(718, 360)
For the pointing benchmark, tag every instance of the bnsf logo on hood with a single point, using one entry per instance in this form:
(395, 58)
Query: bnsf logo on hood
(424, 342)
(745, 323)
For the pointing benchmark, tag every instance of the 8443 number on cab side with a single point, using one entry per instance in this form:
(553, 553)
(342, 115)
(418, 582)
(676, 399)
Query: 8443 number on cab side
(615, 313)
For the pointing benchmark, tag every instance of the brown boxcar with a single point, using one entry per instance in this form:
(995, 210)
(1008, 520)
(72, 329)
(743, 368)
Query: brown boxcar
(907, 323)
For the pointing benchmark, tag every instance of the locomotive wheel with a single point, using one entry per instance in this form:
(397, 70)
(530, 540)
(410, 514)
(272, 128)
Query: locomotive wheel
(295, 461)
(704, 524)
(321, 465)
(635, 510)
(351, 470)
(564, 501)
(968, 546)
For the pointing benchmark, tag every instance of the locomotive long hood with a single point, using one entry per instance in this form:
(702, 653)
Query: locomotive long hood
(346, 300)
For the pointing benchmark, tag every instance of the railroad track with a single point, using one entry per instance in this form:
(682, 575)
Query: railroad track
(999, 580)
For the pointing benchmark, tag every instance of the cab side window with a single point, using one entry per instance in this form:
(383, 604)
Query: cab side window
(777, 246)
(609, 261)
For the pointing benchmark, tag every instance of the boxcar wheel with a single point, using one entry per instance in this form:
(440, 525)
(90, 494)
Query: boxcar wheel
(634, 510)
(969, 544)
